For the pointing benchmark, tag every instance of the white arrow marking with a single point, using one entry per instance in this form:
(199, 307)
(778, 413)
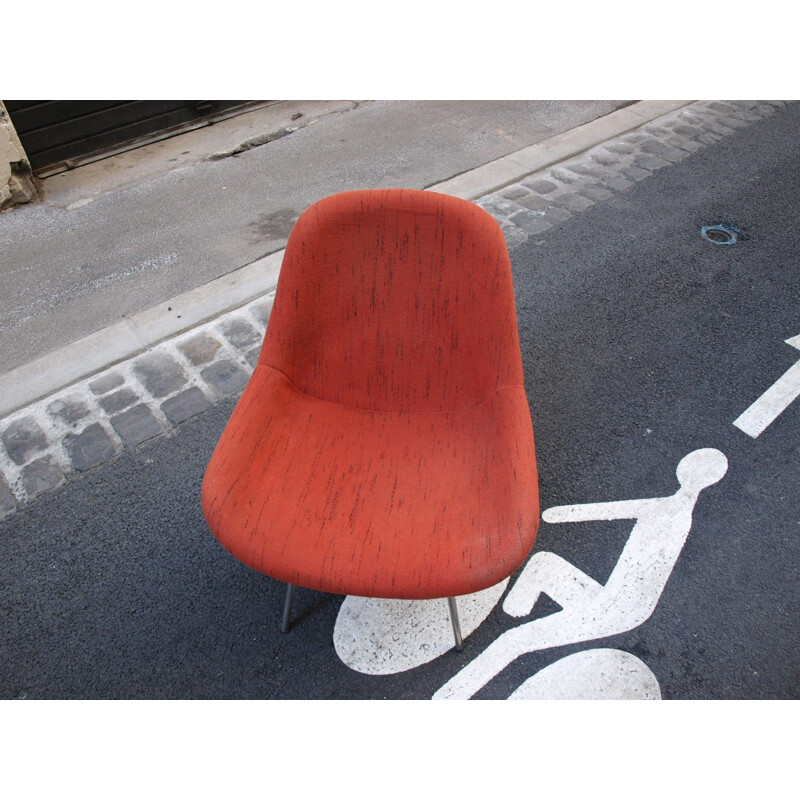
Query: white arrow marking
(774, 401)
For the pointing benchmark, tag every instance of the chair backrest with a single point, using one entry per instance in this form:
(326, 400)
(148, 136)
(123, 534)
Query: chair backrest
(395, 300)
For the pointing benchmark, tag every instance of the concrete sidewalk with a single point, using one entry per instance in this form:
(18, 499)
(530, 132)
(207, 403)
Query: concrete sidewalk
(79, 405)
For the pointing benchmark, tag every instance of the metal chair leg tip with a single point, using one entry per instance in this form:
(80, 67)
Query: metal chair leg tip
(451, 603)
(287, 608)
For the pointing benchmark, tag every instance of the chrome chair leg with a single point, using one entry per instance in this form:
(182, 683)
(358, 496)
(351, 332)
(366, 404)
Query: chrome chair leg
(287, 607)
(451, 602)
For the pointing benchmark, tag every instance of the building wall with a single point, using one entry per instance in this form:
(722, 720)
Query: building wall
(17, 181)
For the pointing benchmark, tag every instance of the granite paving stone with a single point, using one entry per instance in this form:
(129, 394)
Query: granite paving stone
(719, 105)
(541, 185)
(747, 116)
(623, 148)
(42, 475)
(676, 153)
(200, 349)
(116, 402)
(565, 176)
(620, 184)
(695, 115)
(657, 131)
(159, 373)
(240, 333)
(24, 438)
(184, 405)
(136, 425)
(498, 206)
(596, 193)
(513, 235)
(586, 170)
(733, 121)
(515, 194)
(555, 214)
(654, 146)
(89, 448)
(703, 121)
(634, 138)
(687, 130)
(530, 223)
(684, 143)
(605, 159)
(225, 377)
(649, 162)
(718, 127)
(260, 311)
(573, 201)
(635, 173)
(68, 410)
(253, 355)
(105, 383)
(664, 151)
(533, 202)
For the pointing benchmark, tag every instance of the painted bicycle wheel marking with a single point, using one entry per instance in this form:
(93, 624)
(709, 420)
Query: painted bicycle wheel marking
(383, 637)
(599, 674)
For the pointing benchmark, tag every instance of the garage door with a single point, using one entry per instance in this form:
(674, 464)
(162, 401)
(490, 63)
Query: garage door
(58, 134)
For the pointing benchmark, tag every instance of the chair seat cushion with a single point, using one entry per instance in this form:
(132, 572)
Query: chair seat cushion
(411, 505)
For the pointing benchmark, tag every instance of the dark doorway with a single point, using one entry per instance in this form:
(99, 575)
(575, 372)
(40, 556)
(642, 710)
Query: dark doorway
(59, 134)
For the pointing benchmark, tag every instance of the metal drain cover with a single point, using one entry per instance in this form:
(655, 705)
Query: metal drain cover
(720, 234)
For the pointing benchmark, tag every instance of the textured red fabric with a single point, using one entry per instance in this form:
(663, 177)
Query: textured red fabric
(383, 445)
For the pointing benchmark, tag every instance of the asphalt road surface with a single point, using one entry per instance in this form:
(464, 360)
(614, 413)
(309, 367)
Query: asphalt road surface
(642, 343)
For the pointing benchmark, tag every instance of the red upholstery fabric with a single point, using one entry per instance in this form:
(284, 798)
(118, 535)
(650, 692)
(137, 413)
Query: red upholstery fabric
(383, 445)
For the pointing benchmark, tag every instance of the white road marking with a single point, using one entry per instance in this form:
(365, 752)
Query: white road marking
(774, 401)
(599, 674)
(591, 610)
(382, 637)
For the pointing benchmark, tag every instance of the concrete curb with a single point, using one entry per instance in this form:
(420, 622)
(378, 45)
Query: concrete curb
(123, 340)
(516, 166)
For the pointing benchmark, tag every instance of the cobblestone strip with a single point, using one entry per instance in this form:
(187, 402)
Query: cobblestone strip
(547, 198)
(92, 421)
